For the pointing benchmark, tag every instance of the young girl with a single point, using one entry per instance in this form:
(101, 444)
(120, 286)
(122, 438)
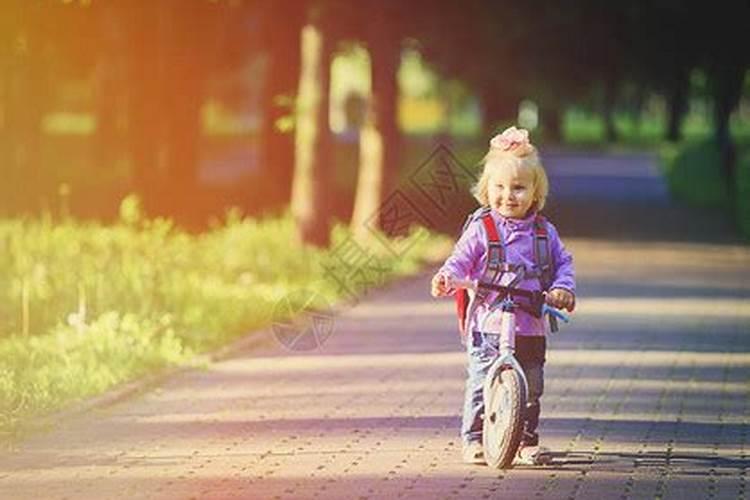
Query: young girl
(513, 186)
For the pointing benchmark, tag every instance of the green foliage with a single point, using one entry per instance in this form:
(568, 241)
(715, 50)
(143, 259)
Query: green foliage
(694, 174)
(43, 372)
(587, 130)
(87, 306)
(743, 191)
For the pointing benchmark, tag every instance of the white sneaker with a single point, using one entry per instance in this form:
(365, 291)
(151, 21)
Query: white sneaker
(533, 455)
(473, 453)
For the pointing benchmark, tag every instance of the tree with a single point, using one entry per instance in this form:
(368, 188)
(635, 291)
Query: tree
(309, 206)
(330, 22)
(727, 61)
(727, 80)
(380, 139)
(664, 46)
(108, 81)
(167, 72)
(478, 42)
(507, 51)
(282, 23)
(24, 90)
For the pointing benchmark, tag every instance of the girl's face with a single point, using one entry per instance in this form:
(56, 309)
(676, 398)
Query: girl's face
(510, 190)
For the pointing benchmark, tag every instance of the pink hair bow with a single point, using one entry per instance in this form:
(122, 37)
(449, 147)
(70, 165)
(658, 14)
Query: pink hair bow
(510, 139)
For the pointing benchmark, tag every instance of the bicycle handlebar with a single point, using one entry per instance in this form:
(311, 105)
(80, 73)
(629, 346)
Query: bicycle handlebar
(547, 309)
(457, 283)
(476, 285)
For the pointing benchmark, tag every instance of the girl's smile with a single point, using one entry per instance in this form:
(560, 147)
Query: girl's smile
(511, 190)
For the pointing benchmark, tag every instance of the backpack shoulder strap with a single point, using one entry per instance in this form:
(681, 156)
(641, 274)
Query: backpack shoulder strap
(542, 254)
(495, 247)
(476, 214)
(495, 251)
(489, 225)
(543, 259)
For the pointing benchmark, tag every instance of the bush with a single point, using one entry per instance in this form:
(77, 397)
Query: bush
(694, 174)
(743, 191)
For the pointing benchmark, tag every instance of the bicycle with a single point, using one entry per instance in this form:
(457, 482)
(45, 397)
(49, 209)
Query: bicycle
(505, 386)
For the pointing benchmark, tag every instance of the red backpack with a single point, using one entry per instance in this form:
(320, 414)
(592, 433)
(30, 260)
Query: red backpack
(496, 264)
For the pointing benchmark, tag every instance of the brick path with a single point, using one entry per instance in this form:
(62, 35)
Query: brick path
(647, 396)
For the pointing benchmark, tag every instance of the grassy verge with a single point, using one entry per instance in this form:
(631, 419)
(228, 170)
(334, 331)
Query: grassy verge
(88, 306)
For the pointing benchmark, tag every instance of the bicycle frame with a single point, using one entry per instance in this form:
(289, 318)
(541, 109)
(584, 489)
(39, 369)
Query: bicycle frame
(506, 387)
(507, 344)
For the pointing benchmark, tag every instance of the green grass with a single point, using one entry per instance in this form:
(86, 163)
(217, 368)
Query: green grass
(587, 131)
(88, 306)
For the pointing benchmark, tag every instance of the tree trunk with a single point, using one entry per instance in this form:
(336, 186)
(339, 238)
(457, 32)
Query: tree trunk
(282, 40)
(26, 98)
(110, 84)
(386, 58)
(609, 109)
(728, 80)
(146, 113)
(183, 141)
(380, 139)
(678, 105)
(497, 108)
(370, 183)
(106, 96)
(167, 73)
(108, 90)
(552, 119)
(637, 109)
(187, 70)
(309, 206)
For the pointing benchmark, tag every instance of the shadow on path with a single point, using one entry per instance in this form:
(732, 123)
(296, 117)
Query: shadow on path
(700, 464)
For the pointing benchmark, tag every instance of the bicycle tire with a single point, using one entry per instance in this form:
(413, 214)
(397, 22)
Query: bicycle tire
(503, 418)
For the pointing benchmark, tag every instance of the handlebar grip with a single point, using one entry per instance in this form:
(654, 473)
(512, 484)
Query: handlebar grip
(557, 313)
(457, 283)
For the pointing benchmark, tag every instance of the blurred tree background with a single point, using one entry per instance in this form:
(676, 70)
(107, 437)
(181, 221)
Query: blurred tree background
(318, 106)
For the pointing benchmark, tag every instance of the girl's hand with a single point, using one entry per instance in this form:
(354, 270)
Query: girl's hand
(561, 299)
(439, 285)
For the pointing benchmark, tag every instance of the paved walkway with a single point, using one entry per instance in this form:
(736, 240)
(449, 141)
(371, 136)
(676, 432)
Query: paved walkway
(647, 396)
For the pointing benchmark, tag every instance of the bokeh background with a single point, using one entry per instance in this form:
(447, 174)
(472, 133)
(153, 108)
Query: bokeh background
(200, 105)
(180, 174)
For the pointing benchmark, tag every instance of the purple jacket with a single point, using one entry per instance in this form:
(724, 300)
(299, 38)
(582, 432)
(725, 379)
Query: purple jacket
(469, 259)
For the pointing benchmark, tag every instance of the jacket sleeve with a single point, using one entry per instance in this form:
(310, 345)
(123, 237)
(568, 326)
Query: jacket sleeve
(562, 260)
(466, 253)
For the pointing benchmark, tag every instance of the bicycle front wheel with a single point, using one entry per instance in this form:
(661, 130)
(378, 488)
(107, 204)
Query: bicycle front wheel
(504, 405)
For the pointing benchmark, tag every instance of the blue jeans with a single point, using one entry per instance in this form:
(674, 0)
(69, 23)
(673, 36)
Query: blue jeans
(481, 349)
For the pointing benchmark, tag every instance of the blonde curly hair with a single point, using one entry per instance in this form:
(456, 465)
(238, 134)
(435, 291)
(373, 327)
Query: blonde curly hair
(512, 148)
